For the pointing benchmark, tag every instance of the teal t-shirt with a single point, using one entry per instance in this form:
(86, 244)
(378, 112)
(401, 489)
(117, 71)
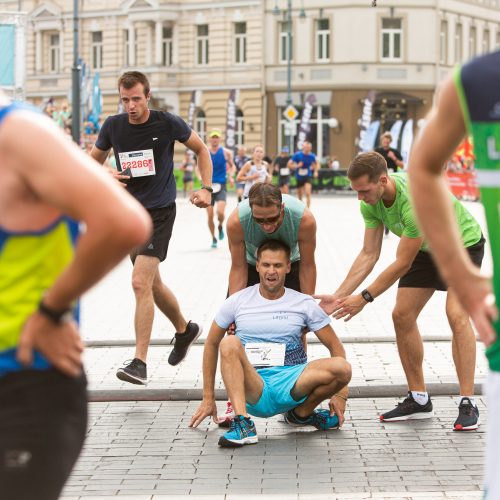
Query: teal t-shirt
(400, 217)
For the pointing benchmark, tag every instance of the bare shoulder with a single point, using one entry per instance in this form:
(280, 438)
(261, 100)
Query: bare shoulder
(308, 222)
(234, 229)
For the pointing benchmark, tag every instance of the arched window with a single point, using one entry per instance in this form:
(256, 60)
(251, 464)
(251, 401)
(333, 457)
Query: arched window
(200, 124)
(240, 128)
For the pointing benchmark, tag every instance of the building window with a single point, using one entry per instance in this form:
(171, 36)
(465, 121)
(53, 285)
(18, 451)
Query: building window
(443, 43)
(240, 43)
(322, 40)
(202, 44)
(285, 44)
(239, 135)
(458, 43)
(96, 50)
(392, 34)
(472, 41)
(319, 132)
(486, 41)
(167, 46)
(200, 125)
(54, 53)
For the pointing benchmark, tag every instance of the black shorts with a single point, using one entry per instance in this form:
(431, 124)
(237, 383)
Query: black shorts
(303, 181)
(424, 273)
(221, 195)
(163, 223)
(284, 180)
(43, 422)
(187, 178)
(291, 281)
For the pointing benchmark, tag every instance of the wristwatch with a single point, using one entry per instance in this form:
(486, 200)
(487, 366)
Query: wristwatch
(367, 295)
(57, 317)
(208, 188)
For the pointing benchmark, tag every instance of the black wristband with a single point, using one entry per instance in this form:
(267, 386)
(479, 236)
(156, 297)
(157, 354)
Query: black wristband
(367, 295)
(208, 188)
(57, 317)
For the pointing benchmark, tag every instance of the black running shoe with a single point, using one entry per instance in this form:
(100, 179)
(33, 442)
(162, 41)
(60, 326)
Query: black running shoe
(468, 416)
(183, 342)
(134, 372)
(409, 409)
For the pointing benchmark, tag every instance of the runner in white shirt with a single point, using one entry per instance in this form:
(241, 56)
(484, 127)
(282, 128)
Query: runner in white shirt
(264, 366)
(256, 170)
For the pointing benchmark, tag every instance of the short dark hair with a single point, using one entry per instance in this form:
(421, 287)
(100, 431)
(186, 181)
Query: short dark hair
(371, 164)
(130, 79)
(265, 195)
(274, 246)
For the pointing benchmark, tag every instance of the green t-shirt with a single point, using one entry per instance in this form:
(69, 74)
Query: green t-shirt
(478, 89)
(400, 218)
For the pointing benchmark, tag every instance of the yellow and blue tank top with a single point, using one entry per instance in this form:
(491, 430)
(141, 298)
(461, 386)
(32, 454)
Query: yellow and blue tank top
(30, 262)
(478, 88)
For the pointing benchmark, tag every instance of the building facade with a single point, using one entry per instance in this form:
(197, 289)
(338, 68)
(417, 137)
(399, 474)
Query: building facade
(198, 52)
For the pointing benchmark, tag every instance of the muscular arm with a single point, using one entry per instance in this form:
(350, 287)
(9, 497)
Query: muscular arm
(204, 162)
(99, 155)
(307, 247)
(329, 339)
(210, 358)
(436, 143)
(238, 274)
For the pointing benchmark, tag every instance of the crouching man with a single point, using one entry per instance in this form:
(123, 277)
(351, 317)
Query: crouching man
(264, 366)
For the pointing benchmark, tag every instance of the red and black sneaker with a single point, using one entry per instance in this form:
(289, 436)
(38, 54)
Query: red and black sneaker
(468, 416)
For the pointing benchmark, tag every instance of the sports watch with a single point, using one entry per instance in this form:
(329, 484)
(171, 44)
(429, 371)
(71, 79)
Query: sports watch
(208, 188)
(367, 295)
(57, 317)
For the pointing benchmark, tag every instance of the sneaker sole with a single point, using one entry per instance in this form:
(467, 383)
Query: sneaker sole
(126, 377)
(200, 331)
(413, 416)
(468, 428)
(227, 443)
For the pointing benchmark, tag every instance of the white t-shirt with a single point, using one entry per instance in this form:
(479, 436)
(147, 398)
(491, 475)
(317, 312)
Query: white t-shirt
(261, 320)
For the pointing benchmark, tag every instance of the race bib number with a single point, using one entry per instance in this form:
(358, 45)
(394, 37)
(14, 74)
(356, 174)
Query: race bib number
(303, 172)
(265, 353)
(284, 171)
(216, 187)
(139, 163)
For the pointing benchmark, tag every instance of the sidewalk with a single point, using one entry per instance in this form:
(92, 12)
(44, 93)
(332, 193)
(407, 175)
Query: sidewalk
(139, 445)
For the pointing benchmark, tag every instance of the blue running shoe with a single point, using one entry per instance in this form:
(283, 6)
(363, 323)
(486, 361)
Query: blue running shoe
(242, 432)
(214, 243)
(320, 419)
(221, 233)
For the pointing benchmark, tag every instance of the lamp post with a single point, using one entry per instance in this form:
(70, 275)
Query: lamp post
(75, 79)
(288, 17)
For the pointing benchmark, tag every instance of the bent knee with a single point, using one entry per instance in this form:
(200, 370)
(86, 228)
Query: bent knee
(342, 371)
(402, 317)
(140, 285)
(229, 345)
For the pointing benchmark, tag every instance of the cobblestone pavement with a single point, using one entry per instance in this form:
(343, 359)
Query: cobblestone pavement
(146, 449)
(143, 450)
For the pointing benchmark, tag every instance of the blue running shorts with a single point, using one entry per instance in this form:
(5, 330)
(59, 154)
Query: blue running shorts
(276, 394)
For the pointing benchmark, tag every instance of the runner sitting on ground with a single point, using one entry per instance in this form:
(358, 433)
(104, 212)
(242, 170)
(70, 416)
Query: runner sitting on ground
(264, 366)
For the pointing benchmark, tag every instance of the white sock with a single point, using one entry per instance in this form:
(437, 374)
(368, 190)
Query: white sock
(472, 399)
(420, 397)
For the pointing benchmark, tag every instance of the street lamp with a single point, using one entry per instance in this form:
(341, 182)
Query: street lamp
(75, 73)
(288, 16)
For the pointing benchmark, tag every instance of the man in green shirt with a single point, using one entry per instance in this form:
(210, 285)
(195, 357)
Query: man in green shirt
(385, 201)
(468, 102)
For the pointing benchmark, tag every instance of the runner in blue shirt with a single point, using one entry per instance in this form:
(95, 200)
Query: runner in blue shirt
(306, 166)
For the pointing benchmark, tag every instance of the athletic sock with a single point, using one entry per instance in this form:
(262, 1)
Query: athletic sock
(420, 397)
(300, 419)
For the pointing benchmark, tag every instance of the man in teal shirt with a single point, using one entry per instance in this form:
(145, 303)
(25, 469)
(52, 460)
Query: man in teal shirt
(385, 201)
(468, 103)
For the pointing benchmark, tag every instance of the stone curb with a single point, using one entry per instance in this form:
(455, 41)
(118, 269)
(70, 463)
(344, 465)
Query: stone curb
(373, 391)
(313, 340)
